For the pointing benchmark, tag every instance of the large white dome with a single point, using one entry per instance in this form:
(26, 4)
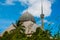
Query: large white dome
(27, 17)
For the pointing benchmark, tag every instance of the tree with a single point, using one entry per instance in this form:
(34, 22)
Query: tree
(40, 35)
(19, 32)
(5, 36)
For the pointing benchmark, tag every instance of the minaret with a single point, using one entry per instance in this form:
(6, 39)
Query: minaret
(42, 15)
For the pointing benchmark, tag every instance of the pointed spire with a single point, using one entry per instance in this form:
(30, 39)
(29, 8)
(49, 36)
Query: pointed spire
(42, 15)
(41, 7)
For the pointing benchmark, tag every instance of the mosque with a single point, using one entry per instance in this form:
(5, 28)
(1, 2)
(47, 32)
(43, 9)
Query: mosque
(28, 21)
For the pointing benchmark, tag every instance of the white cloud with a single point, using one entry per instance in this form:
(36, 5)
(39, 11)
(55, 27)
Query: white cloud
(8, 2)
(45, 21)
(49, 22)
(35, 7)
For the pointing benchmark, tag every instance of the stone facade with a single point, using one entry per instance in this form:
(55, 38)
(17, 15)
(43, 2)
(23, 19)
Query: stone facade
(29, 23)
(30, 27)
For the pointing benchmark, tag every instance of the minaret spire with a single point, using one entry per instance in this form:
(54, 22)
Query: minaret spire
(42, 15)
(41, 6)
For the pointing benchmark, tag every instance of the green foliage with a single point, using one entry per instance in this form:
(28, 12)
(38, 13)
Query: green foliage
(19, 34)
(40, 35)
(16, 35)
(5, 36)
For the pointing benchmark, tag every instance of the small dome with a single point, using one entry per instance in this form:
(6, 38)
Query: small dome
(27, 17)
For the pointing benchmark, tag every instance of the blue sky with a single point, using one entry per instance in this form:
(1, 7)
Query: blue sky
(10, 12)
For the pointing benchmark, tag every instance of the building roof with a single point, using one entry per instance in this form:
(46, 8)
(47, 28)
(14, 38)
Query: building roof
(10, 28)
(27, 17)
(30, 27)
